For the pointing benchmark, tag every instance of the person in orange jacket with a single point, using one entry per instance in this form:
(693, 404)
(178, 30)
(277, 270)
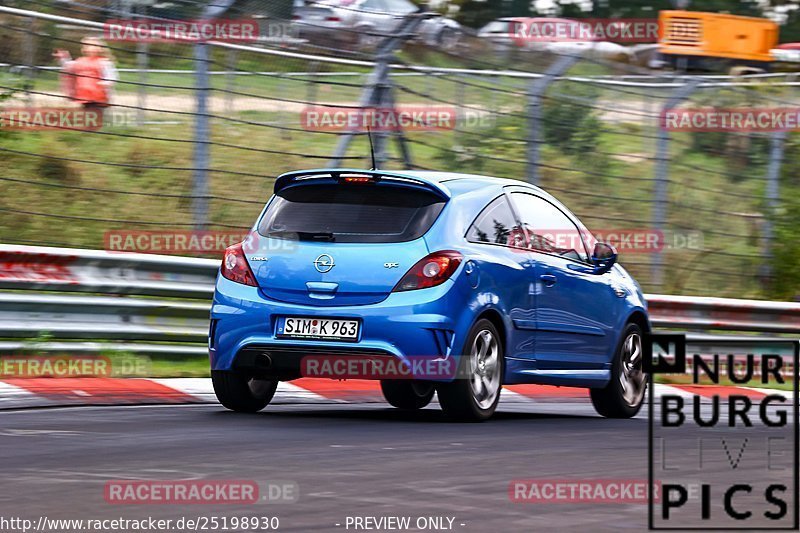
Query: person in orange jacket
(89, 79)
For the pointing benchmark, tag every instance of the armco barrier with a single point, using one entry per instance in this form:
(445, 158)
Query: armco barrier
(158, 304)
(70, 300)
(724, 314)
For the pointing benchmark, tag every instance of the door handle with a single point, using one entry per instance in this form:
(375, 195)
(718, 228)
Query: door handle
(548, 279)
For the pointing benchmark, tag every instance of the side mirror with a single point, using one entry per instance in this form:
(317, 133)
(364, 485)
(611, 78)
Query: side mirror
(603, 257)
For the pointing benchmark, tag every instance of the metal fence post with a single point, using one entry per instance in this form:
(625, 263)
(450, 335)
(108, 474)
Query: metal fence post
(493, 107)
(660, 189)
(378, 91)
(285, 118)
(30, 59)
(313, 82)
(230, 79)
(201, 137)
(536, 90)
(460, 111)
(777, 144)
(383, 101)
(142, 60)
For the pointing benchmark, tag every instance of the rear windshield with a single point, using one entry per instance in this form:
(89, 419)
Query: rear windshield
(350, 213)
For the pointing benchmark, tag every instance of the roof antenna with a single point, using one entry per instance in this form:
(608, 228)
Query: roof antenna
(371, 149)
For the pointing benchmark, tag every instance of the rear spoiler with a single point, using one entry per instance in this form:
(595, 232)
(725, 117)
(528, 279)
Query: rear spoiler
(337, 175)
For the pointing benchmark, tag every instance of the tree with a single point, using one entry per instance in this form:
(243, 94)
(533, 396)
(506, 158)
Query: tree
(650, 8)
(790, 30)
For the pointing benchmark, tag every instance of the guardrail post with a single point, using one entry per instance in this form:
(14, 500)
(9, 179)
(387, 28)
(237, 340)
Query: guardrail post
(660, 189)
(777, 144)
(536, 90)
(201, 137)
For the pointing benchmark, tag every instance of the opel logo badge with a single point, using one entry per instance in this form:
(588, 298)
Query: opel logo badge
(324, 263)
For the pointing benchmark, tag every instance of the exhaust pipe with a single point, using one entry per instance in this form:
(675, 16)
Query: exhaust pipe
(264, 360)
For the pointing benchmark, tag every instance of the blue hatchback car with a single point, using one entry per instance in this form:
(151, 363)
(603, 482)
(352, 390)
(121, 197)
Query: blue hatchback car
(493, 276)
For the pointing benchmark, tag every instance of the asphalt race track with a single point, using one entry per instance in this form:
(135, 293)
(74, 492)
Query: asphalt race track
(348, 460)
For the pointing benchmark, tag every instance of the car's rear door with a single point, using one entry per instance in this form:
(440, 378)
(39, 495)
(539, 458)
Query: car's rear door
(575, 309)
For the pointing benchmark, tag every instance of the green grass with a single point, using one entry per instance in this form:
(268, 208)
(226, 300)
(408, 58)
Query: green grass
(608, 191)
(716, 188)
(183, 367)
(682, 379)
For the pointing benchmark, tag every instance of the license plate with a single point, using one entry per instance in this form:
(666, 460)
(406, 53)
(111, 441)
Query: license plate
(318, 328)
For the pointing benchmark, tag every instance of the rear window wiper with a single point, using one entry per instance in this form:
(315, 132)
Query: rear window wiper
(315, 236)
(303, 235)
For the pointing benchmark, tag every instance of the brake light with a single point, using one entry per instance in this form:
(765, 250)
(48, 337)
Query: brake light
(235, 267)
(358, 178)
(430, 271)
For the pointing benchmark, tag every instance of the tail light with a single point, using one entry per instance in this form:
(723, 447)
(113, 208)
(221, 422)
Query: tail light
(235, 266)
(430, 271)
(333, 19)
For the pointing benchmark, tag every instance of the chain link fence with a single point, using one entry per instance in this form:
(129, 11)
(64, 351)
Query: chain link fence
(197, 132)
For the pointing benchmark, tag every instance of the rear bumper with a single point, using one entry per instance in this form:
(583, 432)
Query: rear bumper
(413, 324)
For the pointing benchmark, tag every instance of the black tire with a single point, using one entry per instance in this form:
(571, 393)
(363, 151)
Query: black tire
(406, 393)
(240, 393)
(611, 401)
(366, 38)
(458, 397)
(448, 38)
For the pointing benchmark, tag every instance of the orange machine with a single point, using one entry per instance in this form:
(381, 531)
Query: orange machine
(696, 36)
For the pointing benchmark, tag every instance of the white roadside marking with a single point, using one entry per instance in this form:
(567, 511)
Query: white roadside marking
(289, 393)
(203, 390)
(12, 396)
(199, 388)
(788, 395)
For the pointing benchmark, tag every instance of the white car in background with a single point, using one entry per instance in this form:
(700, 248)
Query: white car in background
(366, 22)
(504, 34)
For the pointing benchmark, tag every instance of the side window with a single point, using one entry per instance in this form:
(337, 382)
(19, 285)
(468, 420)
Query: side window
(399, 6)
(496, 225)
(374, 6)
(549, 230)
